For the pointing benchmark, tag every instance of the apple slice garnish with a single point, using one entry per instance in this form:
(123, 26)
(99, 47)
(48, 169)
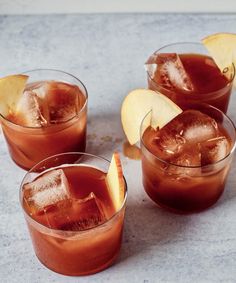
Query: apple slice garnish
(222, 48)
(115, 181)
(139, 103)
(11, 89)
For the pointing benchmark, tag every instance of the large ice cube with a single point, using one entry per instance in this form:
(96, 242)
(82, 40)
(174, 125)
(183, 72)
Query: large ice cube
(184, 163)
(63, 101)
(190, 156)
(31, 110)
(75, 214)
(40, 88)
(169, 142)
(167, 70)
(214, 150)
(197, 126)
(46, 190)
(189, 127)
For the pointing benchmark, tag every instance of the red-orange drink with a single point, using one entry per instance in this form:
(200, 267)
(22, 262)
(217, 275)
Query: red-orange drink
(185, 164)
(51, 118)
(74, 226)
(185, 74)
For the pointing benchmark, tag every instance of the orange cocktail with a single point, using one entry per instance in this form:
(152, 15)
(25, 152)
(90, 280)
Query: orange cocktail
(50, 117)
(75, 226)
(185, 73)
(185, 164)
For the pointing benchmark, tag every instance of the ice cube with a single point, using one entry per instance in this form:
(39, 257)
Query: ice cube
(169, 142)
(76, 214)
(189, 127)
(185, 162)
(197, 126)
(31, 111)
(190, 156)
(46, 190)
(40, 88)
(167, 70)
(151, 65)
(214, 150)
(63, 101)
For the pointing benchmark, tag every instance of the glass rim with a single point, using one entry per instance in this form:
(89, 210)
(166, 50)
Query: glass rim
(196, 166)
(233, 71)
(69, 231)
(63, 122)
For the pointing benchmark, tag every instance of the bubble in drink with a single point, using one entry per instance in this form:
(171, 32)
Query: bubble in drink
(169, 71)
(75, 214)
(46, 190)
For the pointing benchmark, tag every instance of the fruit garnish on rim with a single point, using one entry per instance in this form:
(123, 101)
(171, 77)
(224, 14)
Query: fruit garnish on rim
(115, 181)
(137, 104)
(222, 47)
(11, 89)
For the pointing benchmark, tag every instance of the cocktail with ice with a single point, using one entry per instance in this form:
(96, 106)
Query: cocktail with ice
(186, 73)
(186, 155)
(186, 163)
(75, 212)
(43, 113)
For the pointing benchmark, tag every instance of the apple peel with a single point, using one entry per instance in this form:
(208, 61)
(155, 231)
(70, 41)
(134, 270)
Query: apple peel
(137, 104)
(115, 181)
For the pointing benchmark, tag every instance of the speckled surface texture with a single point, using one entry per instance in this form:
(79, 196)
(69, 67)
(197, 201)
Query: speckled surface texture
(107, 53)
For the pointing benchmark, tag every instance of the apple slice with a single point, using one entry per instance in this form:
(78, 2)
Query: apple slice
(222, 48)
(11, 89)
(137, 104)
(115, 181)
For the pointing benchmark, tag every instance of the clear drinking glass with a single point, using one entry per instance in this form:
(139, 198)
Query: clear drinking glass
(28, 145)
(76, 252)
(187, 189)
(219, 97)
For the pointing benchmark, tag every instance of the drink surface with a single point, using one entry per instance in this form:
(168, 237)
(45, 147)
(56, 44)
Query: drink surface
(79, 198)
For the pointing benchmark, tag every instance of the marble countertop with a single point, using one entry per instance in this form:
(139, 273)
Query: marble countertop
(107, 53)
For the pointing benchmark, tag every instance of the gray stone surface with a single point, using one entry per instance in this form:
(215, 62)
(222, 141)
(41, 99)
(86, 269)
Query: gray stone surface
(107, 52)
